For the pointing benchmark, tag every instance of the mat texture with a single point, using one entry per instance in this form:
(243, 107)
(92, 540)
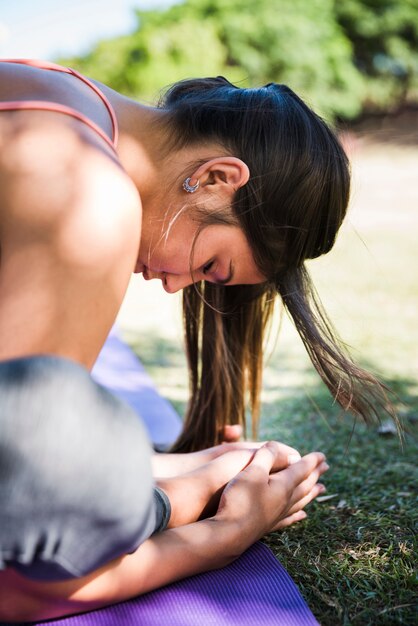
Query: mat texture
(255, 590)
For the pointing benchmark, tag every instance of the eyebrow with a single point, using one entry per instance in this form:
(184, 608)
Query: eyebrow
(225, 281)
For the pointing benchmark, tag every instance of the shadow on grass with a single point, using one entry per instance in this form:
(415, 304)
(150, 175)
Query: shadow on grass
(156, 351)
(353, 557)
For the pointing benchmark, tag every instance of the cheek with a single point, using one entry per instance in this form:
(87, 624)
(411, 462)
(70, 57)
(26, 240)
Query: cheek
(170, 257)
(171, 251)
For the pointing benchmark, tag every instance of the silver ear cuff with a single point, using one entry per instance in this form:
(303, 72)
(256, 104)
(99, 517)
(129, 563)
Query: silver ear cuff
(190, 188)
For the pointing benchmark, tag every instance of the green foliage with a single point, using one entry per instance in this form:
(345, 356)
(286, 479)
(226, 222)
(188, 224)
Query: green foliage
(384, 36)
(340, 55)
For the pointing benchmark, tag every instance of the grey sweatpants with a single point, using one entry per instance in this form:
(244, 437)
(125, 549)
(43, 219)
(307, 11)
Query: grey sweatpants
(76, 487)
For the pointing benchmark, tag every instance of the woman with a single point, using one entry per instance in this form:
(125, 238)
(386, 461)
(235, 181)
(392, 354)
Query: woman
(219, 191)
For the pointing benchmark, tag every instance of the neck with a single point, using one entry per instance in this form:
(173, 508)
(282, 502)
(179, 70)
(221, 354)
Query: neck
(141, 142)
(141, 145)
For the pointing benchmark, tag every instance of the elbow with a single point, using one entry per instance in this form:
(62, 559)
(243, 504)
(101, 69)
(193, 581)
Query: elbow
(23, 601)
(16, 607)
(25, 607)
(12, 599)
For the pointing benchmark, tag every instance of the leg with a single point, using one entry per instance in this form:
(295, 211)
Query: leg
(76, 487)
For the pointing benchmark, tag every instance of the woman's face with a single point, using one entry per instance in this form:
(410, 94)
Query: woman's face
(180, 255)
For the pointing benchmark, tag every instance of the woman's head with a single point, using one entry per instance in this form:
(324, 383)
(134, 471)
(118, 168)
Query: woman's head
(290, 210)
(295, 198)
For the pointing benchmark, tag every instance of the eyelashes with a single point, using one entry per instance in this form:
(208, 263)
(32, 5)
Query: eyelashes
(212, 267)
(206, 268)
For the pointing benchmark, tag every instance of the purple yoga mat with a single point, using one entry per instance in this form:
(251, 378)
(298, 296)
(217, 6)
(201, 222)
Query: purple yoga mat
(119, 369)
(255, 590)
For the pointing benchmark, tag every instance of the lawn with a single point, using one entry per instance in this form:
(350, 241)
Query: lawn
(353, 558)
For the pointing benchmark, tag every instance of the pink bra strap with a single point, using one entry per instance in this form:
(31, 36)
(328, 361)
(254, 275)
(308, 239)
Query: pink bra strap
(42, 105)
(62, 108)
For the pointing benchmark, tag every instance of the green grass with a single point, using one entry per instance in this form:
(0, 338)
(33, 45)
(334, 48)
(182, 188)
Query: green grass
(353, 558)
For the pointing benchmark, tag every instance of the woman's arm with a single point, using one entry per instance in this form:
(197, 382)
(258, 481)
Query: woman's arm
(169, 556)
(195, 494)
(169, 465)
(254, 503)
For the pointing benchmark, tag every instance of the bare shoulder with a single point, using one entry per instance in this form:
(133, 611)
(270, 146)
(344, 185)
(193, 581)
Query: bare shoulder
(58, 183)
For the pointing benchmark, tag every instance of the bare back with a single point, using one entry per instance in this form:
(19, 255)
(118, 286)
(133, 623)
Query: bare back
(69, 219)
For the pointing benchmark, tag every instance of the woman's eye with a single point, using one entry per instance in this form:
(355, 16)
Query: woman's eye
(208, 267)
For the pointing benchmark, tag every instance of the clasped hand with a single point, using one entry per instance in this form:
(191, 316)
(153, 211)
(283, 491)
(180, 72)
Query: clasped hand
(257, 487)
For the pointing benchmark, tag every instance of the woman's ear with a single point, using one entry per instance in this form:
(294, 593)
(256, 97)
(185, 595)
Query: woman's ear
(222, 171)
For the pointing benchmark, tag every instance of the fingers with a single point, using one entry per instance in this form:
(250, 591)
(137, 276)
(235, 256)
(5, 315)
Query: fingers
(316, 490)
(280, 496)
(298, 483)
(272, 453)
(263, 460)
(232, 432)
(298, 472)
(306, 485)
(283, 455)
(290, 519)
(296, 513)
(308, 488)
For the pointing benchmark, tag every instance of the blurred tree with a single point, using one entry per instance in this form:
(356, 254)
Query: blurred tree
(297, 42)
(384, 36)
(340, 55)
(162, 50)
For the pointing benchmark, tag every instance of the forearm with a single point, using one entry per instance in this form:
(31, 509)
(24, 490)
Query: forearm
(164, 558)
(195, 495)
(170, 465)
(176, 554)
(259, 500)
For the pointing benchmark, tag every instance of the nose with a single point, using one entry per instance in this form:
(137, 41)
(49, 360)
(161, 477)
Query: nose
(174, 282)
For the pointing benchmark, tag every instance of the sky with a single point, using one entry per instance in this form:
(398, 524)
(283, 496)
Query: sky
(47, 29)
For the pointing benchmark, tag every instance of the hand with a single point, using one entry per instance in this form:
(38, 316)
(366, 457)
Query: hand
(232, 433)
(170, 465)
(259, 501)
(195, 495)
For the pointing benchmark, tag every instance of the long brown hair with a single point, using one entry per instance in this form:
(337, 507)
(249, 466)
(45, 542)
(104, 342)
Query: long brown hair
(290, 210)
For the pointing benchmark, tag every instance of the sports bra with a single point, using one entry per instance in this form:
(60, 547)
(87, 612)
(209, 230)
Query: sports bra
(21, 105)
